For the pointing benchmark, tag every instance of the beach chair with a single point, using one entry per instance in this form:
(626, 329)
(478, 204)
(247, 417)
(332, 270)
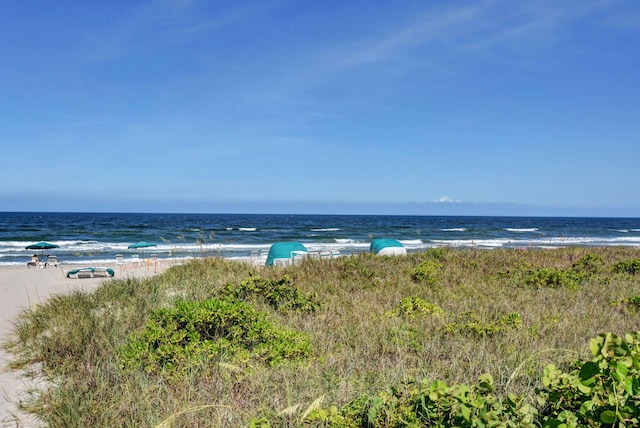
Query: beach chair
(281, 262)
(100, 272)
(52, 261)
(85, 273)
(255, 259)
(135, 260)
(119, 260)
(298, 256)
(153, 262)
(314, 254)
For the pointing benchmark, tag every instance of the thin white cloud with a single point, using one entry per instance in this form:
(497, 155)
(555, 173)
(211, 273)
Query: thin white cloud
(445, 200)
(427, 28)
(160, 24)
(480, 26)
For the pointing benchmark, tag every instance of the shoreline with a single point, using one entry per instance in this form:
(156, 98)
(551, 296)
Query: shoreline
(23, 288)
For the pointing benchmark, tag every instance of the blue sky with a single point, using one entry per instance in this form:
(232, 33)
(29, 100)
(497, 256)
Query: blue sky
(413, 107)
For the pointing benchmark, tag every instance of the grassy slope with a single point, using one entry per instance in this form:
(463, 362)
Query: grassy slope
(358, 346)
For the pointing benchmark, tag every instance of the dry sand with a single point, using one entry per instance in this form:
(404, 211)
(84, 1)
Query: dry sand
(21, 288)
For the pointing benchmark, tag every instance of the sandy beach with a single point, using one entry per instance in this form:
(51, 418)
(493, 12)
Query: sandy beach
(23, 288)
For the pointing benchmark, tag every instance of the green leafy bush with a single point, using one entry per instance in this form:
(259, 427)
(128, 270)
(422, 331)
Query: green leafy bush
(633, 301)
(604, 391)
(588, 265)
(430, 405)
(427, 272)
(414, 306)
(437, 253)
(468, 323)
(551, 278)
(179, 337)
(631, 267)
(355, 268)
(280, 294)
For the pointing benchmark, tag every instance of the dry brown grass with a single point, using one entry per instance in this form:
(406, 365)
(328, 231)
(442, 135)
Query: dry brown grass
(358, 346)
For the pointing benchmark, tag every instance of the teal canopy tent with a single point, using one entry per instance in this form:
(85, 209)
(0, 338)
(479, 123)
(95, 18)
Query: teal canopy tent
(385, 247)
(283, 250)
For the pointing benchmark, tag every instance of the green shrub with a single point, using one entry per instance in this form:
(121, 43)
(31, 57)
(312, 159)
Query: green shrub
(468, 323)
(633, 301)
(354, 268)
(437, 253)
(604, 391)
(179, 337)
(631, 267)
(427, 272)
(588, 265)
(430, 405)
(551, 278)
(414, 306)
(279, 294)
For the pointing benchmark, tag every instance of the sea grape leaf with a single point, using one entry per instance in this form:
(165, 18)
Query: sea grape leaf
(595, 345)
(608, 417)
(588, 372)
(622, 370)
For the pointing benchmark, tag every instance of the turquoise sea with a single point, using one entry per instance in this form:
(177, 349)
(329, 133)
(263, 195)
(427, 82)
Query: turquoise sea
(98, 237)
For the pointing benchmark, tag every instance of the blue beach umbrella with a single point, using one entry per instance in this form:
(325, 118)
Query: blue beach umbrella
(141, 246)
(42, 245)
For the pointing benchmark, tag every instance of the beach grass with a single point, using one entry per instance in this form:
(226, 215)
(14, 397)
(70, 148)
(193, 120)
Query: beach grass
(371, 322)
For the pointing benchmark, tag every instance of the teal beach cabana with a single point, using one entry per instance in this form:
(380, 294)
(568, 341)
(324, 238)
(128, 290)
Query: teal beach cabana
(285, 251)
(387, 247)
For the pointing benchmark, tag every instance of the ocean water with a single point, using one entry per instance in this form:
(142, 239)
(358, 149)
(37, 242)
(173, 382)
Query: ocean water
(98, 237)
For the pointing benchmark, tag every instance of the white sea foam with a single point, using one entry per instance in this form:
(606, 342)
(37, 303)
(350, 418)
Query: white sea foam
(411, 242)
(234, 242)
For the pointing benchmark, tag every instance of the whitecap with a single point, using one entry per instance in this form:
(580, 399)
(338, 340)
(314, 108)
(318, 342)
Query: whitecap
(345, 241)
(411, 241)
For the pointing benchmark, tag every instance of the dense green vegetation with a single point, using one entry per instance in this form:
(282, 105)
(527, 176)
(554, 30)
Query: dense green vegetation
(441, 338)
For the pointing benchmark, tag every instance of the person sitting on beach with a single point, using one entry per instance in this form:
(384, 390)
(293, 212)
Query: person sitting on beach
(34, 261)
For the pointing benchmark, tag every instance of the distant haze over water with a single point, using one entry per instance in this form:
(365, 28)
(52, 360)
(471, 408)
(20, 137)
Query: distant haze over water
(93, 238)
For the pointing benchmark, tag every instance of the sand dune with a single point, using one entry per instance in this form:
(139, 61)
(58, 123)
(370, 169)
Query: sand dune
(22, 288)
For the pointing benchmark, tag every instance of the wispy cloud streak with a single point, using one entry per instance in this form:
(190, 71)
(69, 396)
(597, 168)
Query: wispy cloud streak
(480, 26)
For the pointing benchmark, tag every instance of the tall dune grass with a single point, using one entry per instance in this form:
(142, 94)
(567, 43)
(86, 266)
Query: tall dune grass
(362, 342)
